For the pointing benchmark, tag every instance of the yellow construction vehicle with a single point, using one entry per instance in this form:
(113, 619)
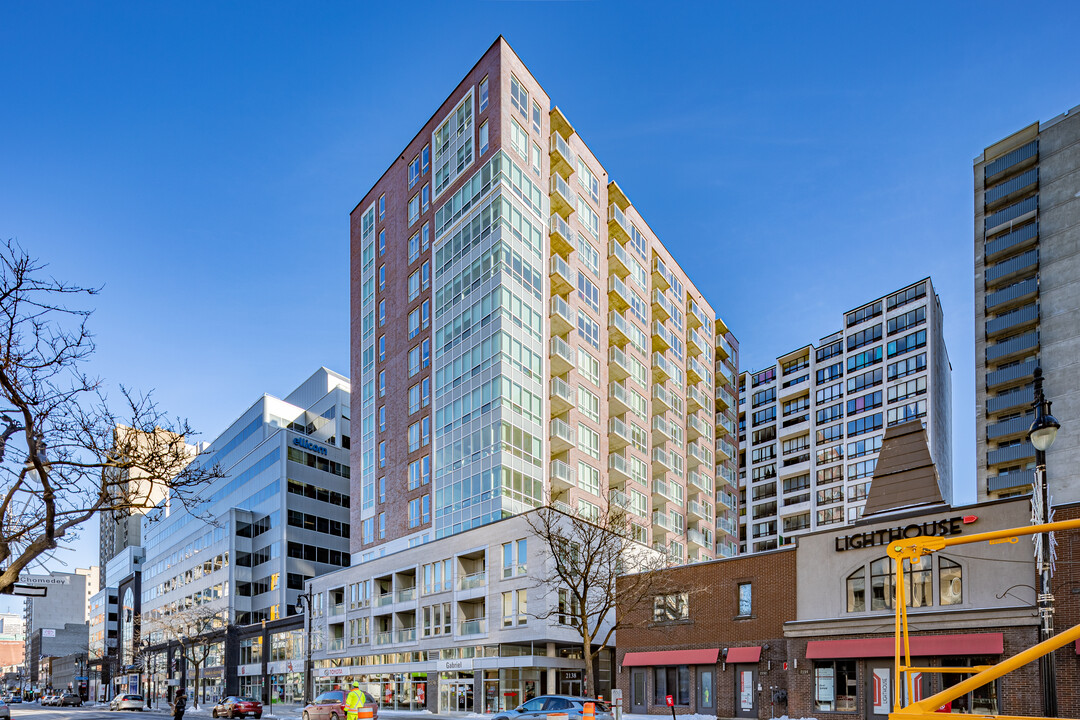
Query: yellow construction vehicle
(911, 550)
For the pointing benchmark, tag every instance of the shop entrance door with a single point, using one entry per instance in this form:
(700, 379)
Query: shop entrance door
(637, 691)
(882, 689)
(706, 702)
(746, 677)
(456, 695)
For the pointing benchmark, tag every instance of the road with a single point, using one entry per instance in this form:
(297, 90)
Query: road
(31, 710)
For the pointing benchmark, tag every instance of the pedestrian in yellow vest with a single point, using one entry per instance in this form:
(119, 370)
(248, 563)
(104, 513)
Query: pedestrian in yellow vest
(356, 700)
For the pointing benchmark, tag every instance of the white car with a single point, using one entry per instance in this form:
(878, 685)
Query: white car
(127, 702)
(5, 711)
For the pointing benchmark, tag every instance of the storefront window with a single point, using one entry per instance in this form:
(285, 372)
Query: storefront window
(881, 584)
(674, 681)
(835, 686)
(919, 582)
(983, 700)
(950, 582)
(856, 591)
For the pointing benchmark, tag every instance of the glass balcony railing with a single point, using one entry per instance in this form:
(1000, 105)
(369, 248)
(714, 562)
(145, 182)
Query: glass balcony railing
(405, 595)
(475, 626)
(618, 225)
(472, 580)
(562, 475)
(403, 635)
(384, 638)
(700, 481)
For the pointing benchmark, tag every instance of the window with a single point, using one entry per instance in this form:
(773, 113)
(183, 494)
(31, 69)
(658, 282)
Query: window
(950, 582)
(483, 137)
(830, 393)
(765, 376)
(905, 296)
(425, 236)
(588, 478)
(382, 348)
(536, 157)
(382, 419)
(382, 277)
(588, 217)
(864, 359)
(831, 372)
(588, 181)
(414, 361)
(588, 292)
(864, 314)
(903, 413)
(764, 416)
(382, 206)
(519, 140)
(588, 366)
(425, 198)
(382, 383)
(536, 117)
(903, 368)
(425, 275)
(414, 323)
(419, 472)
(835, 686)
(414, 171)
(860, 470)
(830, 413)
(833, 432)
(864, 403)
(829, 351)
(671, 607)
(414, 399)
(589, 404)
(453, 144)
(765, 396)
(745, 600)
(382, 525)
(673, 681)
(382, 313)
(483, 94)
(882, 593)
(414, 247)
(864, 447)
(414, 286)
(588, 329)
(519, 97)
(414, 208)
(425, 159)
(382, 454)
(830, 474)
(905, 390)
(910, 319)
(864, 337)
(865, 424)
(589, 441)
(589, 255)
(907, 343)
(866, 380)
(514, 608)
(382, 242)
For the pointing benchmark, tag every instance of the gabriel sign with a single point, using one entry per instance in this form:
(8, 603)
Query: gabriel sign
(951, 526)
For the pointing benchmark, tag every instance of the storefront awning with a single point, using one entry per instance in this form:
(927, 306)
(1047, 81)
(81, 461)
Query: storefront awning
(921, 646)
(743, 654)
(672, 657)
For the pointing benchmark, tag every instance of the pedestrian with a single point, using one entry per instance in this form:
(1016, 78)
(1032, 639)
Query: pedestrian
(356, 700)
(179, 705)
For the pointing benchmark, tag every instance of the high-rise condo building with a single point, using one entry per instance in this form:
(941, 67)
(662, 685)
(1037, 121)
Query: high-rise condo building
(1027, 304)
(521, 336)
(810, 426)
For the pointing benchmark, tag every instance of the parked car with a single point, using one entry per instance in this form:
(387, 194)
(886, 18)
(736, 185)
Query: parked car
(234, 706)
(539, 707)
(127, 702)
(70, 699)
(331, 706)
(15, 699)
(49, 699)
(5, 711)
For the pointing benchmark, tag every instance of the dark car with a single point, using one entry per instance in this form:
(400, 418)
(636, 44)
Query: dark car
(235, 706)
(331, 706)
(539, 707)
(70, 699)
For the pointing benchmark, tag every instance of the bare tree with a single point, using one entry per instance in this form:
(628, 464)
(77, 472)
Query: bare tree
(66, 452)
(196, 629)
(582, 558)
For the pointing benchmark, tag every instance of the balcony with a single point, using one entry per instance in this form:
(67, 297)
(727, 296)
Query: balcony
(699, 482)
(1017, 480)
(381, 638)
(663, 522)
(384, 599)
(662, 276)
(662, 367)
(1014, 453)
(1011, 187)
(563, 160)
(618, 434)
(662, 430)
(697, 537)
(724, 399)
(1023, 264)
(663, 308)
(1011, 375)
(1013, 426)
(562, 476)
(1014, 294)
(561, 320)
(561, 239)
(699, 511)
(1014, 213)
(697, 427)
(695, 344)
(1020, 397)
(562, 197)
(1019, 345)
(727, 474)
(618, 364)
(662, 337)
(662, 461)
(562, 398)
(562, 357)
(405, 635)
(697, 372)
(618, 470)
(723, 348)
(724, 450)
(1013, 320)
(698, 453)
(618, 293)
(1017, 156)
(618, 328)
(794, 425)
(562, 436)
(728, 525)
(663, 399)
(561, 280)
(619, 260)
(663, 492)
(472, 580)
(405, 595)
(619, 398)
(476, 626)
(697, 399)
(1015, 240)
(618, 225)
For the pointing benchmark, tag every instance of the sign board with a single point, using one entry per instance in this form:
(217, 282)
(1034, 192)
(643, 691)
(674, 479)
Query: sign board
(48, 632)
(746, 690)
(670, 700)
(882, 690)
(942, 528)
(452, 665)
(284, 666)
(45, 580)
(27, 590)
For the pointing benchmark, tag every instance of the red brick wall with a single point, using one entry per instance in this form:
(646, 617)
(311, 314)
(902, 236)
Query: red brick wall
(1066, 589)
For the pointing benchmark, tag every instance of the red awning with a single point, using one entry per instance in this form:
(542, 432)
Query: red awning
(921, 646)
(672, 657)
(743, 654)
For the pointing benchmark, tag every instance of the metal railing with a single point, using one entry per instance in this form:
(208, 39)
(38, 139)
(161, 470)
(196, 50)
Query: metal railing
(1013, 292)
(1010, 426)
(1011, 399)
(1019, 316)
(1006, 161)
(1011, 212)
(1020, 262)
(1004, 242)
(1023, 180)
(1011, 374)
(1013, 345)
(1013, 453)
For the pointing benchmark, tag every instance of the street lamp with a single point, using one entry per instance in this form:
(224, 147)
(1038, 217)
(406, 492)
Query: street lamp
(149, 677)
(1042, 434)
(303, 602)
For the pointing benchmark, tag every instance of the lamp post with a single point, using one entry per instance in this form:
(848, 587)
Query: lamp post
(1042, 434)
(148, 690)
(303, 601)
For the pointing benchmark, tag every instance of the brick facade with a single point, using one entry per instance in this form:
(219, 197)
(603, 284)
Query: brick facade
(1066, 589)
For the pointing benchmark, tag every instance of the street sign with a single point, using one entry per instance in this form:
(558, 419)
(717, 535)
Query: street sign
(27, 590)
(670, 701)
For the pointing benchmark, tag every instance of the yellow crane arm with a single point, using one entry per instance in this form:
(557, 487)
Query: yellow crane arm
(912, 549)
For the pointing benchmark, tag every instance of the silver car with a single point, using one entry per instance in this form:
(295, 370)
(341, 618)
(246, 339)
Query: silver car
(5, 711)
(539, 707)
(127, 702)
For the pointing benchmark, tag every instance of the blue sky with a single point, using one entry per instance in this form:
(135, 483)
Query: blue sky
(200, 160)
